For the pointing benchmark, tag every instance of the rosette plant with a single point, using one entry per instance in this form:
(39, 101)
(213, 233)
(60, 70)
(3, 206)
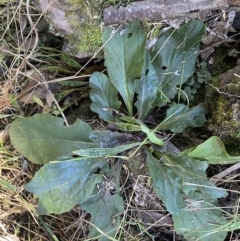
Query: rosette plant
(82, 166)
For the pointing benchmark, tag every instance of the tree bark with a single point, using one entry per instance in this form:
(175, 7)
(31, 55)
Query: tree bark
(162, 9)
(234, 3)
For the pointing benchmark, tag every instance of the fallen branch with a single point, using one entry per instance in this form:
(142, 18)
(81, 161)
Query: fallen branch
(161, 9)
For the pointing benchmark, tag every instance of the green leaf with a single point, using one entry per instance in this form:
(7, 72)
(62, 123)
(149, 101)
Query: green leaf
(195, 178)
(147, 88)
(102, 152)
(151, 135)
(129, 119)
(179, 117)
(43, 138)
(106, 206)
(167, 184)
(38, 100)
(103, 95)
(177, 176)
(70, 61)
(213, 151)
(107, 138)
(201, 219)
(127, 127)
(174, 57)
(182, 184)
(60, 186)
(124, 59)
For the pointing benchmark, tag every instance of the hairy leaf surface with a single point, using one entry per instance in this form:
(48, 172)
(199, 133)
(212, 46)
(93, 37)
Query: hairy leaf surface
(60, 186)
(174, 57)
(124, 59)
(147, 88)
(43, 138)
(103, 95)
(101, 152)
(106, 205)
(167, 184)
(177, 176)
(179, 117)
(213, 151)
(182, 184)
(201, 219)
(107, 138)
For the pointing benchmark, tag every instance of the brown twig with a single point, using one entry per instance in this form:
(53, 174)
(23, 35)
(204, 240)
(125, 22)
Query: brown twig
(221, 175)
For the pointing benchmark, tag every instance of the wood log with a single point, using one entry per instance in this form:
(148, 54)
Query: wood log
(234, 3)
(162, 9)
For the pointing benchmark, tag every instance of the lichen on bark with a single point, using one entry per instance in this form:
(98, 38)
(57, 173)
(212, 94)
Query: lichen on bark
(78, 21)
(85, 21)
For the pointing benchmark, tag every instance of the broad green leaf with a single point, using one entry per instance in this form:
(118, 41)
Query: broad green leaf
(195, 178)
(213, 151)
(201, 219)
(147, 88)
(174, 57)
(176, 176)
(167, 184)
(194, 175)
(43, 138)
(182, 184)
(179, 117)
(106, 206)
(107, 138)
(60, 186)
(103, 95)
(101, 152)
(124, 59)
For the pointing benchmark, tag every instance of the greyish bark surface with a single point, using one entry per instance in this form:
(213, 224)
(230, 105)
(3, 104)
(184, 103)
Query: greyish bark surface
(162, 9)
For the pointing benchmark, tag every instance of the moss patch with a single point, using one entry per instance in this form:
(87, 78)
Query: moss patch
(85, 20)
(224, 108)
(222, 61)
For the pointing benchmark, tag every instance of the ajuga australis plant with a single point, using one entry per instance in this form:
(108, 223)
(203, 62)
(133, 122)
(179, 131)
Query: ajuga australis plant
(82, 166)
